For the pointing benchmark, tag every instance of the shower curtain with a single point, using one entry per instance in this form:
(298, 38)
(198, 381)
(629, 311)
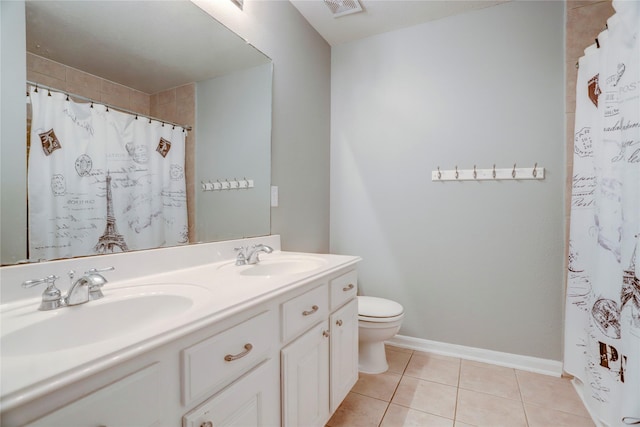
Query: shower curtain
(602, 322)
(102, 181)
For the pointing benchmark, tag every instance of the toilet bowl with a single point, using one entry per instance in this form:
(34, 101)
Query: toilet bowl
(379, 319)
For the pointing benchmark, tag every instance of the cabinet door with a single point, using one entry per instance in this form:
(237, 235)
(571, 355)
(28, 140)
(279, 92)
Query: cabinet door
(344, 352)
(251, 401)
(305, 379)
(131, 401)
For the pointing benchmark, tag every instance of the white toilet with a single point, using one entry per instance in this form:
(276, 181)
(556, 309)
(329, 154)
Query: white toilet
(379, 319)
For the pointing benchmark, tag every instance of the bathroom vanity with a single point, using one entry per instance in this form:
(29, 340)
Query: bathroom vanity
(212, 344)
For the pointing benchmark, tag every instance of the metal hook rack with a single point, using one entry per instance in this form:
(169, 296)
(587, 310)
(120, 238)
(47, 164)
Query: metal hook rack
(234, 184)
(492, 174)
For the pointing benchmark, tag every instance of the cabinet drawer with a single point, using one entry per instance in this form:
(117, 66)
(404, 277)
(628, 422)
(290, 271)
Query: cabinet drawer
(217, 361)
(132, 401)
(343, 288)
(303, 311)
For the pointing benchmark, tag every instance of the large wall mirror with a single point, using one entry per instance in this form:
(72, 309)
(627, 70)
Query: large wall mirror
(188, 69)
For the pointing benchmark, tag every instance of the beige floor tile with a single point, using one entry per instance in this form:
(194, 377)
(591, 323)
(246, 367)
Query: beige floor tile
(397, 360)
(399, 416)
(461, 424)
(539, 416)
(358, 411)
(491, 379)
(440, 369)
(550, 392)
(427, 396)
(379, 386)
(480, 409)
(394, 348)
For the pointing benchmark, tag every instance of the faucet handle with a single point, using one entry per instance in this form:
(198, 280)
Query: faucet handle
(50, 280)
(51, 297)
(97, 281)
(100, 270)
(241, 258)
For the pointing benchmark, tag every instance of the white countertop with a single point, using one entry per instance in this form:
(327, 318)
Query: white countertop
(219, 291)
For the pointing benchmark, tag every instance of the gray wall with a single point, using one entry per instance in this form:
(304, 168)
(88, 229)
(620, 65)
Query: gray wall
(13, 179)
(301, 114)
(474, 263)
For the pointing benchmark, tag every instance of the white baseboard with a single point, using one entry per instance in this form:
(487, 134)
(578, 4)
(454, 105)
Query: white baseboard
(524, 363)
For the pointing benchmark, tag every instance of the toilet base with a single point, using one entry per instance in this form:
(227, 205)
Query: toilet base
(372, 358)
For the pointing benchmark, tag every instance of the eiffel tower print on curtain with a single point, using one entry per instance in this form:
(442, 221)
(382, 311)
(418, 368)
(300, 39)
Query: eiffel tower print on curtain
(110, 239)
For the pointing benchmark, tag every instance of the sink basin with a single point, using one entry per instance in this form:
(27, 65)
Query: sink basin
(120, 312)
(277, 265)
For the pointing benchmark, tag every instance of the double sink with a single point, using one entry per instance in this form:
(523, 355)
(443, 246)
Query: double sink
(133, 309)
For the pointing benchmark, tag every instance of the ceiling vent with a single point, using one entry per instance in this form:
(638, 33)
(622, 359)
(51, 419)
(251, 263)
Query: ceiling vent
(343, 7)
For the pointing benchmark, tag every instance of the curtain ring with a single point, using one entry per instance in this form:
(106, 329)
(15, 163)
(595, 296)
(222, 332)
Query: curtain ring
(513, 172)
(67, 97)
(475, 173)
(494, 171)
(91, 106)
(535, 172)
(36, 89)
(439, 173)
(49, 94)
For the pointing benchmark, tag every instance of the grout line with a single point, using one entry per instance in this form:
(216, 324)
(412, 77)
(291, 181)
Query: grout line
(526, 419)
(396, 389)
(455, 409)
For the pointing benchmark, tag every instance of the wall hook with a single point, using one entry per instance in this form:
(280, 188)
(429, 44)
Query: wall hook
(494, 171)
(457, 172)
(475, 173)
(535, 170)
(513, 172)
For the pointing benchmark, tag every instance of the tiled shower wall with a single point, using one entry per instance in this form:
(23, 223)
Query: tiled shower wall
(585, 20)
(175, 105)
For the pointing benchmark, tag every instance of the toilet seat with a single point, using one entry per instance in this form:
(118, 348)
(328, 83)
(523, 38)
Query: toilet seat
(373, 309)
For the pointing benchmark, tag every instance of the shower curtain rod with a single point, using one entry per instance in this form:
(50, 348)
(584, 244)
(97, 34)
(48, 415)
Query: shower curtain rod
(109, 106)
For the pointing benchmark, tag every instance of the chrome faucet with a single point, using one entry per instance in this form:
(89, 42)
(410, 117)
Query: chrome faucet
(254, 253)
(250, 255)
(86, 288)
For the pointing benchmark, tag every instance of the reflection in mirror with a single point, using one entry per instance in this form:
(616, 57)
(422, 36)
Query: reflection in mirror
(173, 62)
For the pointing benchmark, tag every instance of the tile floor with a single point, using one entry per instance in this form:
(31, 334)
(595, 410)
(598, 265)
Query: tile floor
(427, 390)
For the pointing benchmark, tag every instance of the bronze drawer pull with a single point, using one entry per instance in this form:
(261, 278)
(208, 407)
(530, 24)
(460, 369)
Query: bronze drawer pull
(313, 310)
(232, 357)
(348, 287)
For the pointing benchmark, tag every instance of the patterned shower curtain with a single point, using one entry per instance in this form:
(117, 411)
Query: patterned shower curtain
(102, 181)
(602, 326)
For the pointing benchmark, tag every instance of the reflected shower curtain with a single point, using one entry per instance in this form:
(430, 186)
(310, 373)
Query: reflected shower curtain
(602, 325)
(102, 181)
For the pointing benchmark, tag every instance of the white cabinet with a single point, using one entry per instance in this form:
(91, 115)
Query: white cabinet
(251, 401)
(305, 378)
(287, 360)
(321, 365)
(130, 401)
(344, 352)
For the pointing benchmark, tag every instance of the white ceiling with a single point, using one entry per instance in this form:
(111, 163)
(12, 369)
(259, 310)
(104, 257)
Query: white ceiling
(380, 16)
